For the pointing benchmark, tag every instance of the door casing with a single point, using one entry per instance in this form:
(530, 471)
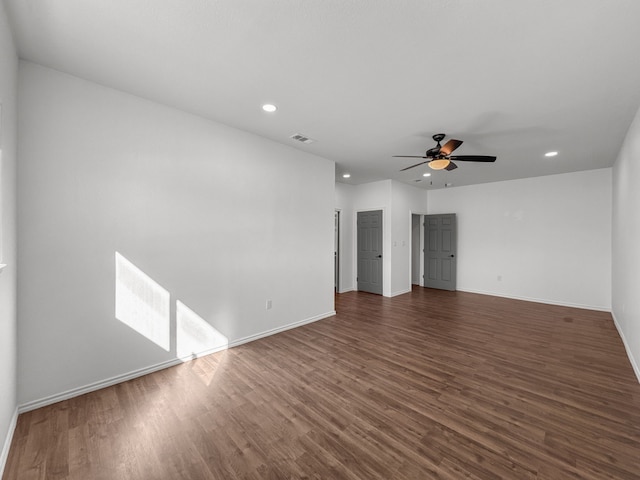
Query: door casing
(369, 251)
(440, 251)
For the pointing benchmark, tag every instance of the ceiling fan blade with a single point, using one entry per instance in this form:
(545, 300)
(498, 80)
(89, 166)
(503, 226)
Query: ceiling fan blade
(473, 158)
(421, 163)
(409, 156)
(451, 166)
(450, 146)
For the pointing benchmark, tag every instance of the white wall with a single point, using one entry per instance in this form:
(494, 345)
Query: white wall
(397, 201)
(221, 219)
(8, 355)
(626, 241)
(344, 203)
(405, 200)
(547, 237)
(374, 196)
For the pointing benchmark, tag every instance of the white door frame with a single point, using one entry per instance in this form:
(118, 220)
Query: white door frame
(386, 252)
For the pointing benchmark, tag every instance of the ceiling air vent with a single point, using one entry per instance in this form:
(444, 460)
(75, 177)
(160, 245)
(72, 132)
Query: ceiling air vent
(301, 138)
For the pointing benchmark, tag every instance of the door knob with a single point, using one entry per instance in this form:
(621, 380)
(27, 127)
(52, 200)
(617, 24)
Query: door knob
(379, 256)
(452, 255)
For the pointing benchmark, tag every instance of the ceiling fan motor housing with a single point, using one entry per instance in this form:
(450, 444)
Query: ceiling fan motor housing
(433, 152)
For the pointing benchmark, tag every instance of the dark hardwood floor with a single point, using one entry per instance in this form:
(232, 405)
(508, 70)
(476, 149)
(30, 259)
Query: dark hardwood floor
(430, 384)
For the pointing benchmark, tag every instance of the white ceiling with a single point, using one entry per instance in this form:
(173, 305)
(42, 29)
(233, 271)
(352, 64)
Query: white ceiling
(369, 79)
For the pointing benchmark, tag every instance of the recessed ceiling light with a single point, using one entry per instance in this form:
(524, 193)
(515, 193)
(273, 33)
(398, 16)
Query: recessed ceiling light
(346, 175)
(426, 174)
(551, 154)
(269, 107)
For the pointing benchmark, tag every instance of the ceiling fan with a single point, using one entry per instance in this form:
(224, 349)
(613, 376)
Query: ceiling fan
(440, 158)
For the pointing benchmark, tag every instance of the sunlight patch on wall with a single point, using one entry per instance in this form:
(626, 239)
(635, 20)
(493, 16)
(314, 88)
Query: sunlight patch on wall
(194, 335)
(142, 304)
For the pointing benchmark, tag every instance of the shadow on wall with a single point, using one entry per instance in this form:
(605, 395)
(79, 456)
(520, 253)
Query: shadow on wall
(143, 305)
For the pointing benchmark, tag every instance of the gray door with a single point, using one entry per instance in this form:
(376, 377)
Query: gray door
(440, 237)
(370, 251)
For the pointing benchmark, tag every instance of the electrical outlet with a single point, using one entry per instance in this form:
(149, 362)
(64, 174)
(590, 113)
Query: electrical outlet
(269, 305)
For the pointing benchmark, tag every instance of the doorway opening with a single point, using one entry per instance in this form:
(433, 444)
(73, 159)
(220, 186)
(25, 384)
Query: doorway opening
(440, 249)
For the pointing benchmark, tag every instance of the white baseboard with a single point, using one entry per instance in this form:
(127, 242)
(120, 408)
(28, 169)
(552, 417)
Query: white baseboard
(351, 289)
(400, 292)
(273, 331)
(634, 364)
(75, 392)
(538, 300)
(7, 442)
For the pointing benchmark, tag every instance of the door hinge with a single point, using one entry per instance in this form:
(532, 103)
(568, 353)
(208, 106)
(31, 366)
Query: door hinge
(357, 279)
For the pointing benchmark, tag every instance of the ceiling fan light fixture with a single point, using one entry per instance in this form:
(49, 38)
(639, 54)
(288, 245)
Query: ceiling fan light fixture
(439, 164)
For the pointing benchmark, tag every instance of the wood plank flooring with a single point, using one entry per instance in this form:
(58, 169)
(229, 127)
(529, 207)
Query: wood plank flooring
(427, 385)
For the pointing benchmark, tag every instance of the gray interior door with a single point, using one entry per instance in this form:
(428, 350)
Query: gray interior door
(440, 239)
(370, 251)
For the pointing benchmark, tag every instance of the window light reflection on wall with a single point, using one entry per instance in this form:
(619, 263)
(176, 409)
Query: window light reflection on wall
(142, 304)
